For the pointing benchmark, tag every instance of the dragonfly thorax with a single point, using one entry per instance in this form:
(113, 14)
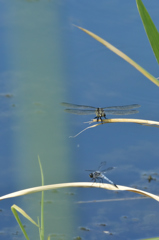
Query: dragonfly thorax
(95, 174)
(100, 112)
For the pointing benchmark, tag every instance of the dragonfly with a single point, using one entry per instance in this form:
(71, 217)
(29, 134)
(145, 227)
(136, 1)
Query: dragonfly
(100, 112)
(99, 175)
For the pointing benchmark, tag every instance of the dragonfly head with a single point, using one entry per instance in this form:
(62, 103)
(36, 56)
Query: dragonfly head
(91, 175)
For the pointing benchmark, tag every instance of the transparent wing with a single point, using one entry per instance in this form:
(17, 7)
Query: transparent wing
(70, 105)
(126, 107)
(106, 170)
(80, 112)
(102, 164)
(120, 112)
(91, 112)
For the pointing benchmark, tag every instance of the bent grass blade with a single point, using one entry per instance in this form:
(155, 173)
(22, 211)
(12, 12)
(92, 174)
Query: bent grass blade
(122, 55)
(78, 184)
(143, 122)
(84, 130)
(16, 209)
(150, 29)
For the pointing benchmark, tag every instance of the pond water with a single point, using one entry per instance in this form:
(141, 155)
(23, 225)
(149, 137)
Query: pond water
(46, 60)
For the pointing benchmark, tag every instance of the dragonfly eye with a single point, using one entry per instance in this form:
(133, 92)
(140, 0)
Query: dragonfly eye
(91, 175)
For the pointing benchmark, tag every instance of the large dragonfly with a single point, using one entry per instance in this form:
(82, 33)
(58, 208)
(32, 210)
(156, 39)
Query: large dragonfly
(99, 175)
(100, 112)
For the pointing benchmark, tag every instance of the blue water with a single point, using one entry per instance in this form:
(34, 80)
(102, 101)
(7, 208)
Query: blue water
(100, 78)
(47, 60)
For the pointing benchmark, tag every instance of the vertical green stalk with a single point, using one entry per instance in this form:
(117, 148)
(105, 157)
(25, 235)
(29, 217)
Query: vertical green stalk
(42, 203)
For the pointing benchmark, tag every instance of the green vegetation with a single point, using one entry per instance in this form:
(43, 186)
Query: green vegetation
(15, 209)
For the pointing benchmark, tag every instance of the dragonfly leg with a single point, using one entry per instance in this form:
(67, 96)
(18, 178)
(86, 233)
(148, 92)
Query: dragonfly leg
(101, 120)
(96, 118)
(100, 180)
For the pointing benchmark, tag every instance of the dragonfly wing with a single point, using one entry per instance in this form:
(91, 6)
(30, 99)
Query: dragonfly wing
(108, 169)
(70, 105)
(102, 164)
(126, 107)
(121, 112)
(80, 112)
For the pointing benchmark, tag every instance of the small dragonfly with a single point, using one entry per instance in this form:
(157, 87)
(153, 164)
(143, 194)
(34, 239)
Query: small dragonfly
(99, 175)
(100, 112)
